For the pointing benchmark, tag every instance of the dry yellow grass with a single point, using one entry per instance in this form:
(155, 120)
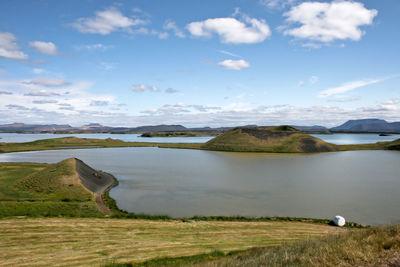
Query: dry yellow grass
(93, 242)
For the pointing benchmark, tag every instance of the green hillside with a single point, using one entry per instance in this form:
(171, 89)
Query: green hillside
(267, 139)
(37, 189)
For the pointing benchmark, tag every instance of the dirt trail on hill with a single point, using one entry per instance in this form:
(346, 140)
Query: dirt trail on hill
(96, 182)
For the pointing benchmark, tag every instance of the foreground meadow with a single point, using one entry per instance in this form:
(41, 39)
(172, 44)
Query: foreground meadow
(96, 241)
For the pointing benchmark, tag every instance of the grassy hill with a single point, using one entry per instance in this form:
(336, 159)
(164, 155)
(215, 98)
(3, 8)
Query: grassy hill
(267, 139)
(33, 189)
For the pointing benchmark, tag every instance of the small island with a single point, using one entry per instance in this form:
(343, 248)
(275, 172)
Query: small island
(275, 139)
(177, 134)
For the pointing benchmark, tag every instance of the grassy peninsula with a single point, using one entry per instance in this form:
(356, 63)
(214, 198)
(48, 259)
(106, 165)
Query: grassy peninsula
(274, 139)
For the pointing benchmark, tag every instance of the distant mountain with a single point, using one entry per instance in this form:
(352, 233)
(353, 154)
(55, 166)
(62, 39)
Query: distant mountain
(160, 128)
(357, 126)
(22, 127)
(368, 125)
(314, 128)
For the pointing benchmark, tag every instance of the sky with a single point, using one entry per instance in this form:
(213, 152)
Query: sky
(199, 63)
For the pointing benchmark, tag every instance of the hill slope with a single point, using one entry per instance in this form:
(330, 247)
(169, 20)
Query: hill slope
(368, 125)
(267, 139)
(69, 188)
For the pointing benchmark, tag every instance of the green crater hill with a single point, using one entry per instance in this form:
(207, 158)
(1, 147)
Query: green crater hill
(281, 139)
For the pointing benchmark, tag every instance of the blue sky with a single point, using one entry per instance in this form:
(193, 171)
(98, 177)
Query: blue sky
(199, 63)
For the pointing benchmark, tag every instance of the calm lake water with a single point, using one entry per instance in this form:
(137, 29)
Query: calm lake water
(362, 186)
(348, 139)
(339, 139)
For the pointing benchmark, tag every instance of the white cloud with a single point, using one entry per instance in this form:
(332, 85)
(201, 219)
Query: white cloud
(49, 82)
(344, 99)
(180, 108)
(313, 79)
(347, 87)
(9, 48)
(106, 21)
(277, 4)
(171, 25)
(328, 22)
(234, 64)
(99, 103)
(38, 71)
(44, 101)
(42, 93)
(47, 48)
(143, 87)
(5, 93)
(228, 53)
(391, 102)
(231, 30)
(93, 47)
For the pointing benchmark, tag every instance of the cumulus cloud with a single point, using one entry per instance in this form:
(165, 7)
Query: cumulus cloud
(49, 82)
(171, 91)
(231, 30)
(171, 25)
(47, 48)
(17, 107)
(347, 87)
(328, 22)
(9, 48)
(180, 108)
(391, 102)
(42, 93)
(44, 101)
(99, 103)
(143, 87)
(106, 21)
(5, 93)
(234, 64)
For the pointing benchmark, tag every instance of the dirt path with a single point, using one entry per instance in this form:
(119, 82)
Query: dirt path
(96, 182)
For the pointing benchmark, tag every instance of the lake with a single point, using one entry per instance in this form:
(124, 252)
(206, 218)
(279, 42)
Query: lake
(362, 186)
(338, 139)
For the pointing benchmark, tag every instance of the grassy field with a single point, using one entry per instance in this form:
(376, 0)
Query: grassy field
(32, 189)
(377, 246)
(74, 142)
(83, 242)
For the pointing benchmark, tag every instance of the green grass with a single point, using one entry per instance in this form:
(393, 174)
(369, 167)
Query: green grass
(281, 139)
(97, 241)
(233, 141)
(177, 134)
(377, 246)
(47, 190)
(74, 143)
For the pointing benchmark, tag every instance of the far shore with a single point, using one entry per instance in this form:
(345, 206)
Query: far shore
(89, 143)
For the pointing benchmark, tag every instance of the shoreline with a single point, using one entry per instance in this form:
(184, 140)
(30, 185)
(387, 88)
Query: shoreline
(87, 143)
(108, 206)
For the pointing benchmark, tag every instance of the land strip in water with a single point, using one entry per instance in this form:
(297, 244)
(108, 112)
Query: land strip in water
(89, 143)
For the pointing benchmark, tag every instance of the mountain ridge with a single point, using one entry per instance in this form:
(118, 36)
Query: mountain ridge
(350, 126)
